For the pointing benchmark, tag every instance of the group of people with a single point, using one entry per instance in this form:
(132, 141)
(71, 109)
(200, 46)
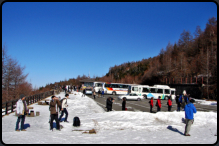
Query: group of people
(67, 88)
(158, 104)
(56, 105)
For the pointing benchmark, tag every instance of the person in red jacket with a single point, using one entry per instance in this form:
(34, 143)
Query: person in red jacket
(169, 103)
(158, 104)
(151, 104)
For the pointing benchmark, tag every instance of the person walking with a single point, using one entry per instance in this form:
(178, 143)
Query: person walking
(151, 104)
(169, 103)
(94, 93)
(21, 109)
(158, 104)
(123, 103)
(189, 117)
(102, 92)
(53, 107)
(110, 101)
(64, 108)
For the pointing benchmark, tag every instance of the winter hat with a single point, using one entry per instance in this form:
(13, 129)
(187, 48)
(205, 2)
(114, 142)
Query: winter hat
(192, 100)
(21, 96)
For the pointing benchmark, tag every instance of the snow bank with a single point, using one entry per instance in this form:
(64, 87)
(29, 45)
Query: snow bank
(112, 127)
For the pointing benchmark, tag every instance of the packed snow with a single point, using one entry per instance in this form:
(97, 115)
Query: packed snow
(115, 127)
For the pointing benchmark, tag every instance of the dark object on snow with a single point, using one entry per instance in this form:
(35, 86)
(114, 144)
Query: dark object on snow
(76, 121)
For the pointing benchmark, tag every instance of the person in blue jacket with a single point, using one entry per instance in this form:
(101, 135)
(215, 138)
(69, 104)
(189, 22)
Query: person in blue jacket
(183, 99)
(189, 117)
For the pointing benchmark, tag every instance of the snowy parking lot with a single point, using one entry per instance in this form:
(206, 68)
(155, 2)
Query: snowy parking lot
(115, 127)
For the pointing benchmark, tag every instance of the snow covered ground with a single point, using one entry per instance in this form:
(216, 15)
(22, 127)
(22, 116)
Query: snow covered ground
(115, 127)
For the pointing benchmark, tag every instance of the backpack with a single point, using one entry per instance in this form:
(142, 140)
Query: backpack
(76, 121)
(62, 101)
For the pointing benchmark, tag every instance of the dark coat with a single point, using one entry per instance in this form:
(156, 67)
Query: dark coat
(123, 104)
(109, 104)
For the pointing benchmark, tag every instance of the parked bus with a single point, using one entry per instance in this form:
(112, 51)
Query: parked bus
(162, 91)
(155, 91)
(97, 86)
(141, 90)
(115, 88)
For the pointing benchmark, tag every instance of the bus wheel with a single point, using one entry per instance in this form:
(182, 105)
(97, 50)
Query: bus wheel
(166, 98)
(139, 99)
(114, 93)
(145, 96)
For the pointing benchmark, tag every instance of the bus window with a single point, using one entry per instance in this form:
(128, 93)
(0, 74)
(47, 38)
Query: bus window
(167, 91)
(134, 88)
(145, 90)
(153, 90)
(114, 86)
(160, 91)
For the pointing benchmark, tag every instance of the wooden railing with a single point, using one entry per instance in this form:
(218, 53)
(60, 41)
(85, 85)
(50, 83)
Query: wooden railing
(11, 105)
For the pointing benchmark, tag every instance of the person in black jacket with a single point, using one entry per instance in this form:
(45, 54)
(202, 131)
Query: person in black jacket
(178, 103)
(110, 101)
(123, 103)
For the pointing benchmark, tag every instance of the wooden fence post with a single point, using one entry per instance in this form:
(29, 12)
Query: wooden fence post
(6, 108)
(11, 106)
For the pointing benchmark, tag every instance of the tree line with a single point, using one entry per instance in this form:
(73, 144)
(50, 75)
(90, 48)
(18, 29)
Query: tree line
(192, 56)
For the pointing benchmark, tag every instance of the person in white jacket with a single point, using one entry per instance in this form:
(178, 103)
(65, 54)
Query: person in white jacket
(63, 108)
(21, 109)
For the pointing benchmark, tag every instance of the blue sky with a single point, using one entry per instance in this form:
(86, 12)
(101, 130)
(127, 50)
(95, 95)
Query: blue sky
(57, 41)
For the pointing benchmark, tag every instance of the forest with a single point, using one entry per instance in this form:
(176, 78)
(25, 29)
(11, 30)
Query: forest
(193, 56)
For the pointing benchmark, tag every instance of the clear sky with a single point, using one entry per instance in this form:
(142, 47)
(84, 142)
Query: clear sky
(61, 40)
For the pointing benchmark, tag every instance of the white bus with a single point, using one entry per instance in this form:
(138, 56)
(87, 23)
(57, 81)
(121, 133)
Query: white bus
(115, 88)
(141, 90)
(162, 91)
(155, 91)
(97, 86)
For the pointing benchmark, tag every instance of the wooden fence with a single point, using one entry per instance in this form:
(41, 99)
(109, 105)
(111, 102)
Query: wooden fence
(11, 105)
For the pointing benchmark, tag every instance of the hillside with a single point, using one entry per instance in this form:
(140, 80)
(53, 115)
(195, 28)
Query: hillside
(191, 57)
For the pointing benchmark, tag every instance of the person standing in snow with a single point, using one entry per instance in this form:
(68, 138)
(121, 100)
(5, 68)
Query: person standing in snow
(189, 118)
(169, 103)
(64, 108)
(21, 109)
(123, 103)
(151, 104)
(158, 104)
(110, 101)
(54, 107)
(177, 103)
(183, 99)
(94, 93)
